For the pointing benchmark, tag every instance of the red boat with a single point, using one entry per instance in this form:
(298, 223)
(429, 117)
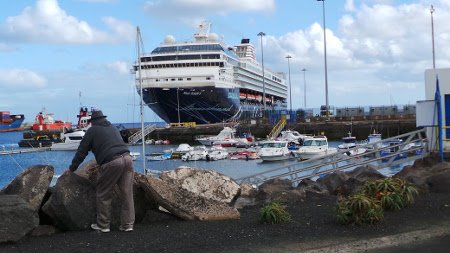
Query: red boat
(44, 122)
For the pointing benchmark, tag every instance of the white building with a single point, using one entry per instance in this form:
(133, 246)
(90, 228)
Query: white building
(444, 87)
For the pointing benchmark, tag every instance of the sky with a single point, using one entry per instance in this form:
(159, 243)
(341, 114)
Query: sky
(59, 55)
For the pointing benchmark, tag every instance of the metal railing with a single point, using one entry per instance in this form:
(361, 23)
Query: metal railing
(134, 138)
(414, 145)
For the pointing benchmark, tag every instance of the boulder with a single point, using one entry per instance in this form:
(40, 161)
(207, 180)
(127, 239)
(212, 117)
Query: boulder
(334, 182)
(358, 177)
(439, 182)
(247, 196)
(18, 218)
(278, 189)
(31, 185)
(205, 183)
(310, 186)
(185, 204)
(72, 204)
(418, 175)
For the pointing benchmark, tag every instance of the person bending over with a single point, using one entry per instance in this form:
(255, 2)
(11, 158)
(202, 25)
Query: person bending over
(115, 168)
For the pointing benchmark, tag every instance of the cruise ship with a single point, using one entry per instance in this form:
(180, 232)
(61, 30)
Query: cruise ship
(204, 81)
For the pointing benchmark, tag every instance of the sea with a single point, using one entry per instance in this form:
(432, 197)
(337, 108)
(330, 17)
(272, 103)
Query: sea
(12, 165)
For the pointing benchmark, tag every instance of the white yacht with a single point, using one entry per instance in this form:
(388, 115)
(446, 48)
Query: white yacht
(70, 141)
(275, 151)
(315, 146)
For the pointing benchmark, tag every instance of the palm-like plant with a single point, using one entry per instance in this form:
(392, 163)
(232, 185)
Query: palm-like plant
(274, 213)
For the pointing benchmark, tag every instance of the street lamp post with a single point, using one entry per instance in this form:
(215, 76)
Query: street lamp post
(261, 34)
(290, 92)
(178, 105)
(432, 35)
(304, 86)
(325, 57)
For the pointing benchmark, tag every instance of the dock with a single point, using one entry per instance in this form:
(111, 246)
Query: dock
(23, 150)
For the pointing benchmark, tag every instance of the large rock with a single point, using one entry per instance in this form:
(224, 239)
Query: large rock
(310, 186)
(31, 185)
(358, 177)
(185, 204)
(247, 196)
(440, 182)
(278, 189)
(419, 176)
(334, 182)
(17, 218)
(72, 203)
(205, 183)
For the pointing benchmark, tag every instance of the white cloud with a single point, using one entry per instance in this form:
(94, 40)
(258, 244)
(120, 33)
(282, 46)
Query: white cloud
(189, 10)
(21, 78)
(120, 67)
(377, 55)
(46, 22)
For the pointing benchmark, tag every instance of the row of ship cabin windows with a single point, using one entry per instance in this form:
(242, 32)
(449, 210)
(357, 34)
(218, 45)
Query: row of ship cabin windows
(178, 79)
(183, 65)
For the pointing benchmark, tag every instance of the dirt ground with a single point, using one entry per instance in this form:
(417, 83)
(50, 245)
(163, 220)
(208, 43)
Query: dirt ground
(313, 225)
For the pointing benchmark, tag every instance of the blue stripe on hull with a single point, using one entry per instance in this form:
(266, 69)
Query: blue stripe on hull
(201, 105)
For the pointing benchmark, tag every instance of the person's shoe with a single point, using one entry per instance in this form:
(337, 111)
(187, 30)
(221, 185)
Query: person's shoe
(96, 227)
(129, 229)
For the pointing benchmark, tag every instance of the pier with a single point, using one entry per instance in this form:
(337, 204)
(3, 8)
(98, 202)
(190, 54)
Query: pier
(260, 128)
(22, 150)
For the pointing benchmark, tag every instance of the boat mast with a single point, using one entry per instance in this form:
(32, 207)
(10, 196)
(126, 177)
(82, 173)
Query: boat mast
(138, 46)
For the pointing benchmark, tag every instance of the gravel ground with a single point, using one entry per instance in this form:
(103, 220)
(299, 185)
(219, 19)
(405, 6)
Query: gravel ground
(313, 225)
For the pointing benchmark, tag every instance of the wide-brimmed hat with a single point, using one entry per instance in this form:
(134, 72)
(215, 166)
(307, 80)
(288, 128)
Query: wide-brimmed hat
(97, 115)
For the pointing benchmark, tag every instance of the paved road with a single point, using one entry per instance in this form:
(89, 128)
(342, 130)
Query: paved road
(436, 245)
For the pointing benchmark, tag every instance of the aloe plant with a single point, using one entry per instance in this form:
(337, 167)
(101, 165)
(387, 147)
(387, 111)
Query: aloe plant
(274, 213)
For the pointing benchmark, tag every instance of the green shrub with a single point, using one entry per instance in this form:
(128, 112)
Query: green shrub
(359, 209)
(274, 213)
(393, 193)
(376, 195)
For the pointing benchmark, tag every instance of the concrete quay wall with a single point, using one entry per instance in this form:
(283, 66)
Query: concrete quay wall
(334, 130)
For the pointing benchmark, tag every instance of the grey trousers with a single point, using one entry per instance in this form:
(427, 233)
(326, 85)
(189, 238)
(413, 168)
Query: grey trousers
(117, 172)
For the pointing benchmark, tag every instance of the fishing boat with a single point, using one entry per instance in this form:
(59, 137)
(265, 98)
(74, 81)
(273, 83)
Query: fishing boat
(315, 146)
(205, 81)
(10, 122)
(348, 142)
(275, 151)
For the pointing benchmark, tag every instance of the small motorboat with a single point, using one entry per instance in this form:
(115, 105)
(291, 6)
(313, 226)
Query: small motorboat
(348, 142)
(315, 146)
(198, 153)
(70, 141)
(275, 151)
(167, 154)
(216, 153)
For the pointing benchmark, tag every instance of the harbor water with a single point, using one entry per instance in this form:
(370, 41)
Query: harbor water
(11, 165)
